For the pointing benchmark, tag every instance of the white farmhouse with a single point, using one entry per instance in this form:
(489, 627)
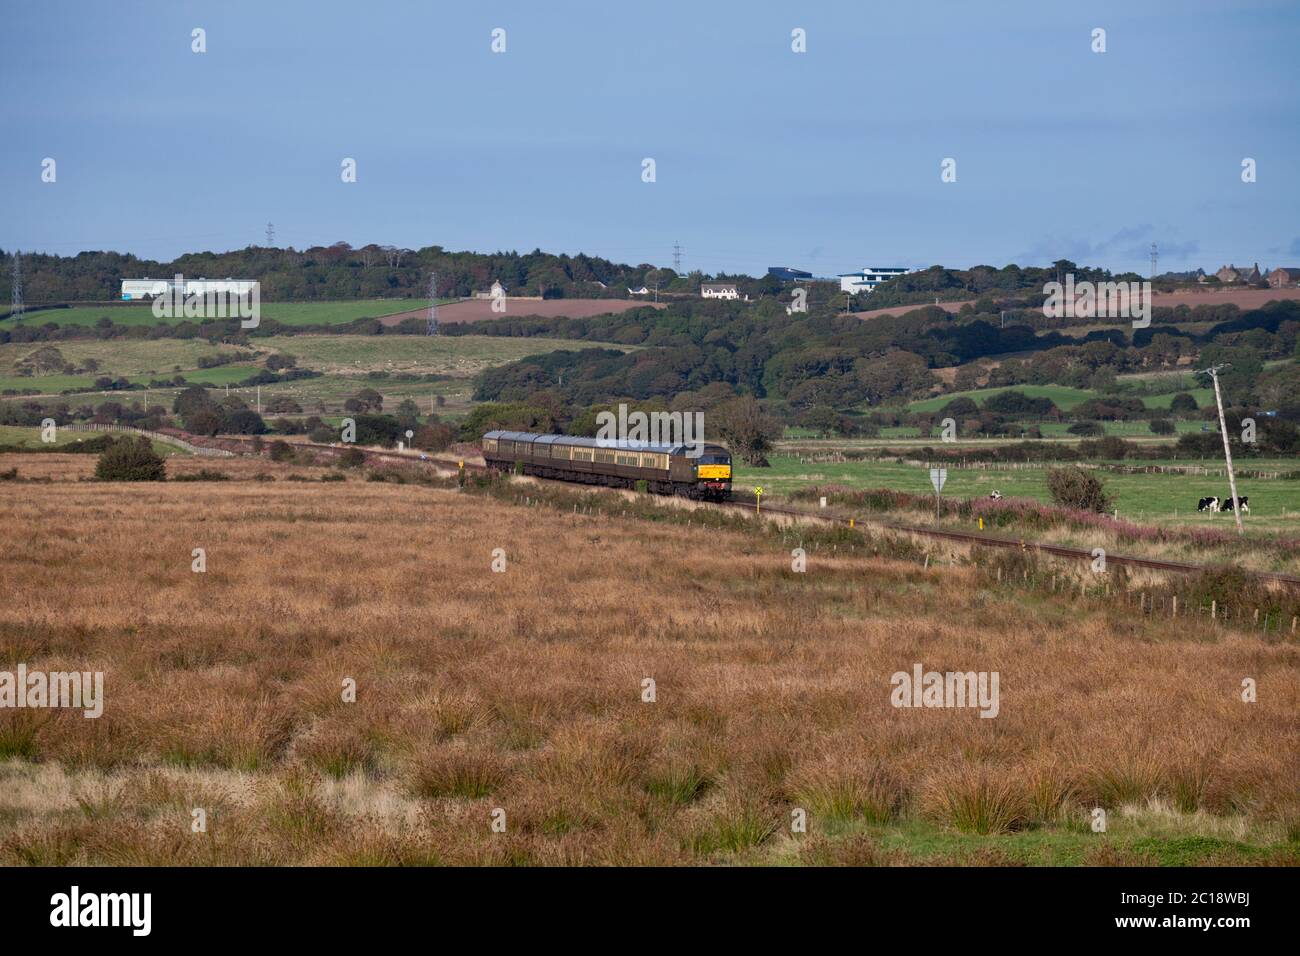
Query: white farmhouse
(867, 279)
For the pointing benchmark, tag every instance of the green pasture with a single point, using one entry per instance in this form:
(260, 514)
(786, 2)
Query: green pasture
(1164, 498)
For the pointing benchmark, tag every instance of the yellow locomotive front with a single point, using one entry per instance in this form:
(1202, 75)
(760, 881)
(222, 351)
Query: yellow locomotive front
(713, 472)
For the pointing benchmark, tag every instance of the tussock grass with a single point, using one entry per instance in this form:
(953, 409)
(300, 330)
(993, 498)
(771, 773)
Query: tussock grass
(458, 773)
(977, 799)
(522, 691)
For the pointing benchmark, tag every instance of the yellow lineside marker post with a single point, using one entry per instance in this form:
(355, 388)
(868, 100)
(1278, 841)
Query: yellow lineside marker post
(981, 523)
(758, 500)
(850, 522)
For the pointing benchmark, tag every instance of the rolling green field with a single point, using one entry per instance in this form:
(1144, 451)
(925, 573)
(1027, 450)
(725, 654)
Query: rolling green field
(129, 357)
(31, 438)
(290, 313)
(1163, 498)
(460, 355)
(1064, 397)
(346, 361)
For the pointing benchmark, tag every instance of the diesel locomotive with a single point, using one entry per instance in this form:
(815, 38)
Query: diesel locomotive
(666, 469)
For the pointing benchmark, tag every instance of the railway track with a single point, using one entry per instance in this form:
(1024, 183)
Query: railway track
(746, 501)
(742, 500)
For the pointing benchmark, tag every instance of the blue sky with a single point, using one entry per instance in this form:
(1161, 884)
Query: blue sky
(827, 160)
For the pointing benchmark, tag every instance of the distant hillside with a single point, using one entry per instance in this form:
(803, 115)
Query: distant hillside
(1011, 281)
(338, 272)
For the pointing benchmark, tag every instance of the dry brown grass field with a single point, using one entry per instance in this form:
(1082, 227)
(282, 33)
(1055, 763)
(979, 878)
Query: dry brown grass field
(521, 691)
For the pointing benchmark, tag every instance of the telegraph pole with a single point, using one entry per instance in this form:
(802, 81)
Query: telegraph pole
(1154, 257)
(432, 327)
(16, 312)
(1213, 372)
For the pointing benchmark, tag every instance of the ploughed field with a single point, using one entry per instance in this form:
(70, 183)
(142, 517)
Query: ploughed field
(519, 697)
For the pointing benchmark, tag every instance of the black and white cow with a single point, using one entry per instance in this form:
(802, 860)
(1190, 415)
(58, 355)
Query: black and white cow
(1243, 499)
(996, 496)
(1208, 504)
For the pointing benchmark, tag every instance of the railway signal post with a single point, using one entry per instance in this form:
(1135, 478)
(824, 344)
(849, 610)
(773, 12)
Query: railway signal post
(758, 501)
(937, 477)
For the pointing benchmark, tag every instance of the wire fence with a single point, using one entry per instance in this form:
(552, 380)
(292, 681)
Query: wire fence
(156, 436)
(1155, 604)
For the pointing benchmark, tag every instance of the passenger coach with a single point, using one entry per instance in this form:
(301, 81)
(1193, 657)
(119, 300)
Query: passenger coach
(666, 469)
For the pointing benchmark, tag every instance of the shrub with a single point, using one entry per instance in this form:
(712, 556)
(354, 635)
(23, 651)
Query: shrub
(642, 486)
(377, 430)
(283, 405)
(1014, 403)
(960, 407)
(283, 451)
(1161, 426)
(245, 422)
(131, 460)
(1073, 487)
(203, 474)
(1182, 404)
(1109, 447)
(207, 420)
(435, 437)
(352, 458)
(1090, 429)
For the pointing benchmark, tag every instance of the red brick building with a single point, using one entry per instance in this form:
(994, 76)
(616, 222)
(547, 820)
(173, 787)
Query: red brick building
(1284, 277)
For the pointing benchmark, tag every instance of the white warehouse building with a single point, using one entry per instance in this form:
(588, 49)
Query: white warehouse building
(719, 290)
(867, 279)
(152, 288)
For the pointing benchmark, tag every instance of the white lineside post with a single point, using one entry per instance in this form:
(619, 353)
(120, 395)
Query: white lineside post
(1227, 448)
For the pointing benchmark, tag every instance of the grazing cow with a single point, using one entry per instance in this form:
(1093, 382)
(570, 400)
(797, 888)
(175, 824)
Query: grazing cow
(1208, 504)
(996, 496)
(1244, 501)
